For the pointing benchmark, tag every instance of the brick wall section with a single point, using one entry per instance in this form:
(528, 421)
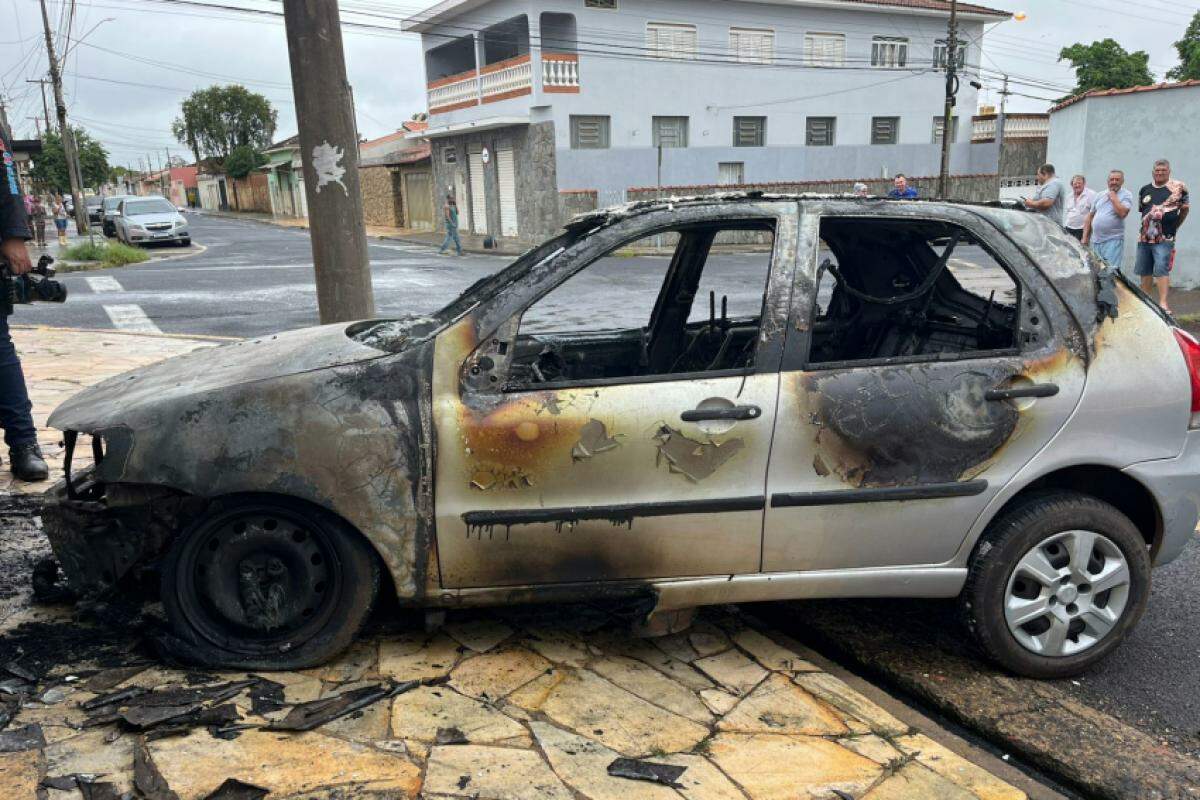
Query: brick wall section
(381, 203)
(977, 188)
(253, 193)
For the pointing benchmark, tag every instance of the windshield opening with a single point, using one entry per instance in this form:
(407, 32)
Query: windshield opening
(159, 206)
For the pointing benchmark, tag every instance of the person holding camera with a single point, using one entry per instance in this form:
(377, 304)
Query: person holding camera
(16, 412)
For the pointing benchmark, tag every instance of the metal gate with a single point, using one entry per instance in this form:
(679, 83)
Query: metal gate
(478, 191)
(418, 194)
(506, 175)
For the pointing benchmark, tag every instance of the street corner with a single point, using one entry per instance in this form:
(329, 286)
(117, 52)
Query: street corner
(548, 702)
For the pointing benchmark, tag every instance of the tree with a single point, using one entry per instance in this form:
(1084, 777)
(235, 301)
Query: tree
(243, 160)
(1189, 54)
(50, 165)
(1106, 65)
(219, 119)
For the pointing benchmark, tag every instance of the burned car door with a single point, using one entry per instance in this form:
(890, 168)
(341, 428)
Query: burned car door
(608, 416)
(928, 360)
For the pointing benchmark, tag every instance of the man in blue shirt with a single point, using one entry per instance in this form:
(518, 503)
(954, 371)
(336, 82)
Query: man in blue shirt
(902, 191)
(1104, 228)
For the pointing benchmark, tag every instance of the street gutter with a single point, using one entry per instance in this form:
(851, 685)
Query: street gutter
(1078, 745)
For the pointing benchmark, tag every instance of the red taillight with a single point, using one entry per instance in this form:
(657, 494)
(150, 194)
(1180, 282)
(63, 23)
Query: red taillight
(1191, 354)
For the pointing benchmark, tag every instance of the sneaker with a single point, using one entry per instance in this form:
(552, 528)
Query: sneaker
(27, 463)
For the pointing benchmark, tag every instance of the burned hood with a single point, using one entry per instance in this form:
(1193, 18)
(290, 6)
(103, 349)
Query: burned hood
(211, 369)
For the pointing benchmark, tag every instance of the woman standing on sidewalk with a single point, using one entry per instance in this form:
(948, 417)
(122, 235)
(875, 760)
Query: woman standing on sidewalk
(37, 214)
(60, 220)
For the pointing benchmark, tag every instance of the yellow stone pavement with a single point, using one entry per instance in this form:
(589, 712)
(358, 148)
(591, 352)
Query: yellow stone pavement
(527, 702)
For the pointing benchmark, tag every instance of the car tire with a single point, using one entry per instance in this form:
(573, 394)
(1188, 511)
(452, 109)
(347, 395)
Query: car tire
(267, 583)
(1035, 547)
(185, 242)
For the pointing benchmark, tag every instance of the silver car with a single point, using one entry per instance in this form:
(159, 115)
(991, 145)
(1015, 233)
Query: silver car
(147, 220)
(696, 401)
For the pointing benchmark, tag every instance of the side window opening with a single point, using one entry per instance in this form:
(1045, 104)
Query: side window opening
(909, 289)
(679, 301)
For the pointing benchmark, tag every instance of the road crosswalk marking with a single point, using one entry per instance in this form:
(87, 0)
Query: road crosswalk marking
(104, 283)
(131, 318)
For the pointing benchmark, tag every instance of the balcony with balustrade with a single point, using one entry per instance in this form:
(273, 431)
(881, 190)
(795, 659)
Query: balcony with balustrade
(501, 63)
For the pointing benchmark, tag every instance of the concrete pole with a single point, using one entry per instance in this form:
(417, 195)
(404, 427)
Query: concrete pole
(68, 141)
(329, 150)
(951, 90)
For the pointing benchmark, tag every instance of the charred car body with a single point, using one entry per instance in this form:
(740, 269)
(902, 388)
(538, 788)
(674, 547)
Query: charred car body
(821, 397)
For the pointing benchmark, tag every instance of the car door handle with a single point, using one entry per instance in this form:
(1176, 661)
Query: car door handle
(1018, 392)
(708, 414)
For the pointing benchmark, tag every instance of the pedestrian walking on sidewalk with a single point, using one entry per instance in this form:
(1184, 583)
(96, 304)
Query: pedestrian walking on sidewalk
(1079, 206)
(1104, 229)
(16, 412)
(1163, 204)
(37, 216)
(60, 220)
(450, 218)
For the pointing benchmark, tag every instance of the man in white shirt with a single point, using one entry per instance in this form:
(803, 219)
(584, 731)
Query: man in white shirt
(1079, 206)
(1105, 226)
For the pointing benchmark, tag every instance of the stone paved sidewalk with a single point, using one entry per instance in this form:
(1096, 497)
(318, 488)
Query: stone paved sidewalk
(514, 703)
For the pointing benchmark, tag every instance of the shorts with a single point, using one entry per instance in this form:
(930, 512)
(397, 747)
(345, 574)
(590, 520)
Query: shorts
(1076, 232)
(61, 224)
(1111, 252)
(1155, 259)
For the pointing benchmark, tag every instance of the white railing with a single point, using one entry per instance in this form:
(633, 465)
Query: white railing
(454, 93)
(1016, 126)
(560, 71)
(983, 129)
(515, 75)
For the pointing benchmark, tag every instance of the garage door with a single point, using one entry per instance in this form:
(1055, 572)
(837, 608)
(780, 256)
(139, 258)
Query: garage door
(478, 192)
(418, 188)
(506, 175)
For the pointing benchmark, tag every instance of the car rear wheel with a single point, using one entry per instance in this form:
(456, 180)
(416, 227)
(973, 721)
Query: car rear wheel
(1056, 584)
(267, 584)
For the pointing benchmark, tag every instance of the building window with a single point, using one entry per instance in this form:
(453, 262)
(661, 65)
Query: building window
(820, 131)
(939, 53)
(731, 173)
(670, 131)
(824, 49)
(671, 40)
(609, 5)
(885, 130)
(938, 123)
(589, 133)
(749, 131)
(752, 45)
(889, 52)
(450, 155)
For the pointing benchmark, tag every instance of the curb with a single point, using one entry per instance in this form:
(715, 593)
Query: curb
(92, 266)
(1087, 749)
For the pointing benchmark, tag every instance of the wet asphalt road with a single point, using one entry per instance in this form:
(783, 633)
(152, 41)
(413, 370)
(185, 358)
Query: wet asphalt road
(256, 279)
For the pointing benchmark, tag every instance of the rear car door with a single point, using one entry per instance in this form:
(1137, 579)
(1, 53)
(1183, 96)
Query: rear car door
(616, 426)
(930, 363)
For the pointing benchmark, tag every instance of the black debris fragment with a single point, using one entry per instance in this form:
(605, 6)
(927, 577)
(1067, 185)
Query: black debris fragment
(113, 698)
(217, 717)
(97, 790)
(233, 789)
(106, 679)
(1106, 294)
(266, 696)
(63, 783)
(20, 670)
(463, 780)
(307, 716)
(450, 736)
(49, 584)
(638, 770)
(143, 717)
(149, 781)
(21, 739)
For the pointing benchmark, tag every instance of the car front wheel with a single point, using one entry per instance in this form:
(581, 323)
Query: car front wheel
(1056, 584)
(267, 584)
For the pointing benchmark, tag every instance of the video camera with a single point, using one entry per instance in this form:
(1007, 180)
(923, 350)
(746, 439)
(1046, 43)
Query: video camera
(33, 287)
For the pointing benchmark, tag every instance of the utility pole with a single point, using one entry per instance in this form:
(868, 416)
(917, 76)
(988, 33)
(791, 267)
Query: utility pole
(951, 91)
(1004, 93)
(41, 82)
(329, 149)
(37, 122)
(4, 118)
(68, 141)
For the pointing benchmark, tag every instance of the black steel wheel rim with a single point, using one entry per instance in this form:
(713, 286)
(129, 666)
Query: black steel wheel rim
(258, 579)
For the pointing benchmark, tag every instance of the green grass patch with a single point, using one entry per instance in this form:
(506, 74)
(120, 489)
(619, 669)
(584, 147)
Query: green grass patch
(109, 254)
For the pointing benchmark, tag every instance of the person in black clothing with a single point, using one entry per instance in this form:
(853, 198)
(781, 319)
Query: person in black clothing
(1163, 204)
(16, 412)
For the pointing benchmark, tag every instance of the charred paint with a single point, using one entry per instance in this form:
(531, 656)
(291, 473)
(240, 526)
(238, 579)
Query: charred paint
(690, 458)
(593, 440)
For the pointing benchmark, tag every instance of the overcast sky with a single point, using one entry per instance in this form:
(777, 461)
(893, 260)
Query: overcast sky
(200, 47)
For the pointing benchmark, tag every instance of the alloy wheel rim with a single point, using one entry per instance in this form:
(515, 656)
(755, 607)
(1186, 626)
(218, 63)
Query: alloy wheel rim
(1067, 593)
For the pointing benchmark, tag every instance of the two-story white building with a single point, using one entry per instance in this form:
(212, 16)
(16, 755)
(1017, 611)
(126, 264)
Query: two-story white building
(530, 98)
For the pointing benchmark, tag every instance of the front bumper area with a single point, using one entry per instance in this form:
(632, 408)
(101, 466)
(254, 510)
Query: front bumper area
(1175, 484)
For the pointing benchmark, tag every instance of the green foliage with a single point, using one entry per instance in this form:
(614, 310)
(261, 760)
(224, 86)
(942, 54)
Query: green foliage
(50, 165)
(1189, 53)
(110, 254)
(219, 119)
(243, 160)
(1106, 65)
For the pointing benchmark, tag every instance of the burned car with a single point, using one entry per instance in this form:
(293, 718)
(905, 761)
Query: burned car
(711, 400)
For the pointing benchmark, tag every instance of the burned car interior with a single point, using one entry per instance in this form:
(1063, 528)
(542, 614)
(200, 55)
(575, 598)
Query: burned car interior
(909, 289)
(707, 283)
